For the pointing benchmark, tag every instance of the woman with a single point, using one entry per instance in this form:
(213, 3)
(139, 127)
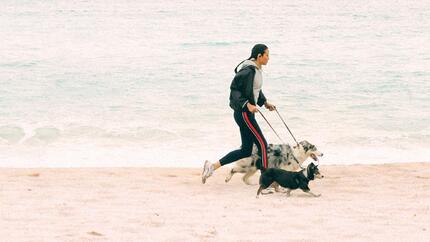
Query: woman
(245, 94)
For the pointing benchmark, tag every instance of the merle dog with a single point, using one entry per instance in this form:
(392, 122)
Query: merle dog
(278, 156)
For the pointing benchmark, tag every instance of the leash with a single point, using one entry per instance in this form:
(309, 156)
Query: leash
(279, 136)
(286, 126)
(271, 126)
(291, 135)
(274, 129)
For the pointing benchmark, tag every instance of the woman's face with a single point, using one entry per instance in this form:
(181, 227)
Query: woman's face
(263, 59)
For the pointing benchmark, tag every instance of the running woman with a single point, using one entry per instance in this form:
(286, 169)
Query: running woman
(245, 94)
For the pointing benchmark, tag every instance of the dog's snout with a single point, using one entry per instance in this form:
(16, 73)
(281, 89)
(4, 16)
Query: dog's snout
(322, 154)
(319, 175)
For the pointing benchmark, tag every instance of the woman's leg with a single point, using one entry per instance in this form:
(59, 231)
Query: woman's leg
(259, 139)
(244, 151)
(250, 133)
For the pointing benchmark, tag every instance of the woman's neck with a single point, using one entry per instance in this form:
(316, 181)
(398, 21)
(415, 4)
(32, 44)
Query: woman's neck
(258, 64)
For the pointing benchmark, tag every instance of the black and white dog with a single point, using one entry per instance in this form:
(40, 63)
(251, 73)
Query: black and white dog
(278, 156)
(290, 180)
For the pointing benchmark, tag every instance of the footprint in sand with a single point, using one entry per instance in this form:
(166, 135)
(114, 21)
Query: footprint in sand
(95, 233)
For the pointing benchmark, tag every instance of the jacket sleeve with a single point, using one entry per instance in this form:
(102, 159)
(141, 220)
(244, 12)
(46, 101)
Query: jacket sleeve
(238, 90)
(261, 99)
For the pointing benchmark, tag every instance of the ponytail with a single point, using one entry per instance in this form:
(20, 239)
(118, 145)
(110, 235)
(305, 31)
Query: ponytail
(256, 50)
(235, 69)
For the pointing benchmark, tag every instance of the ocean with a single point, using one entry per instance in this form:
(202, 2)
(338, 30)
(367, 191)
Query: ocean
(146, 83)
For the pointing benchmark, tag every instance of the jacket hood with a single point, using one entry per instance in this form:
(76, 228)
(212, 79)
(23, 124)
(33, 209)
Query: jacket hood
(247, 63)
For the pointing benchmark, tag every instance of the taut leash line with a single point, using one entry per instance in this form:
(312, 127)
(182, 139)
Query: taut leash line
(286, 126)
(295, 159)
(271, 126)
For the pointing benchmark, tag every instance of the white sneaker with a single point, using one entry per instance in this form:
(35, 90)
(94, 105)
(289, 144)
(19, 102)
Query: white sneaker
(208, 170)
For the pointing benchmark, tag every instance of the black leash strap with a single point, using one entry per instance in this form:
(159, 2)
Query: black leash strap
(297, 161)
(286, 126)
(271, 126)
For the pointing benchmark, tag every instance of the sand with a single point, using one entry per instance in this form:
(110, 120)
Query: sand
(389, 202)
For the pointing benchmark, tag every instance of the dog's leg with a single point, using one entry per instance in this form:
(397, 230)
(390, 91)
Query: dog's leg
(250, 173)
(313, 194)
(230, 175)
(259, 191)
(276, 186)
(288, 192)
(241, 166)
(236, 169)
(267, 192)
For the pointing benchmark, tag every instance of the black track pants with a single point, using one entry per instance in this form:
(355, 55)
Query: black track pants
(250, 133)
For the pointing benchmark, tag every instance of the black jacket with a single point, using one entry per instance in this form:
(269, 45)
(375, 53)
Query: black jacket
(241, 90)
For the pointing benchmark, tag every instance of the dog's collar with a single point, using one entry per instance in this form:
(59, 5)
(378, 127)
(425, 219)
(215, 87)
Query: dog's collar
(305, 172)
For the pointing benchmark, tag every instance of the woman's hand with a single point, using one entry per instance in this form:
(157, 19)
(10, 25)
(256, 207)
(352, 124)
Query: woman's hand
(252, 108)
(269, 106)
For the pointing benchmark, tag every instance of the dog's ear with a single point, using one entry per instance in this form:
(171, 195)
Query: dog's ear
(306, 145)
(306, 148)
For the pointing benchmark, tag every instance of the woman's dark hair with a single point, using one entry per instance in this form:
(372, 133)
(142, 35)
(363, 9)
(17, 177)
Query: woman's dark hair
(257, 49)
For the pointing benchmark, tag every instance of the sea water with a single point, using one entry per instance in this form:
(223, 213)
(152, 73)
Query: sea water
(146, 83)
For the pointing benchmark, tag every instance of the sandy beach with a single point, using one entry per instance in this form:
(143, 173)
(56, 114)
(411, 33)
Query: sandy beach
(389, 202)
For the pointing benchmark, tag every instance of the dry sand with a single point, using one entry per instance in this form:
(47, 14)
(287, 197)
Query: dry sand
(358, 203)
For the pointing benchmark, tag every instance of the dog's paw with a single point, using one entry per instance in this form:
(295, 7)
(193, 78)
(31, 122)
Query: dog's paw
(266, 192)
(313, 194)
